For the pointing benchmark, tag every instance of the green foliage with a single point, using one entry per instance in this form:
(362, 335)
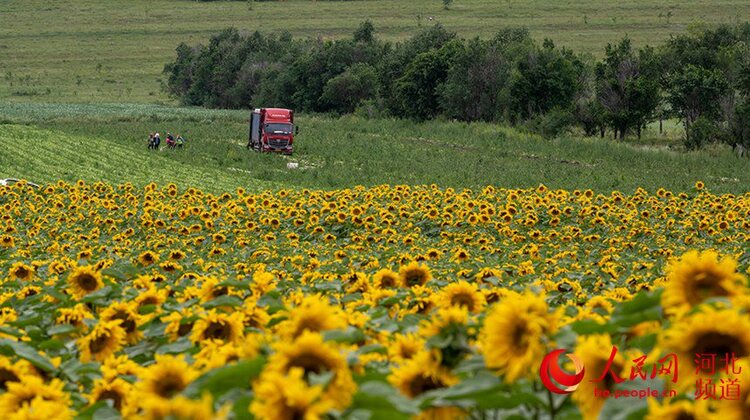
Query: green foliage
(476, 87)
(344, 92)
(552, 123)
(740, 126)
(627, 86)
(226, 73)
(700, 133)
(590, 115)
(417, 90)
(365, 32)
(696, 92)
(544, 78)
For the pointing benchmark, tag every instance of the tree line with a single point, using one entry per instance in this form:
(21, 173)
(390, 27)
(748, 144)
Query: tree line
(701, 77)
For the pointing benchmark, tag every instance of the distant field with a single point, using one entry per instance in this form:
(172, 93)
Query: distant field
(107, 142)
(114, 51)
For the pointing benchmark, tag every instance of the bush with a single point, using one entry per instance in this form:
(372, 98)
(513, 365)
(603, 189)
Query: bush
(702, 132)
(740, 126)
(551, 124)
(371, 108)
(344, 92)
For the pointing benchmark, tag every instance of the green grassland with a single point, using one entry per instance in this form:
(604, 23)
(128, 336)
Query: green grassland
(114, 51)
(45, 143)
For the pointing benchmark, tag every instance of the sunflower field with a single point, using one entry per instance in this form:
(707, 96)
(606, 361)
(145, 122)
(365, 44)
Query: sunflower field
(365, 303)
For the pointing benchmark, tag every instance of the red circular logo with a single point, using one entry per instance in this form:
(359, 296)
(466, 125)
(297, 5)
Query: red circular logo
(550, 370)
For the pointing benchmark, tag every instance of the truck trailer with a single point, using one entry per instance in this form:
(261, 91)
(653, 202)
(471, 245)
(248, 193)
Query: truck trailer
(272, 130)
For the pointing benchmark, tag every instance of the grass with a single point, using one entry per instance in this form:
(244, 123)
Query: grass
(108, 142)
(114, 51)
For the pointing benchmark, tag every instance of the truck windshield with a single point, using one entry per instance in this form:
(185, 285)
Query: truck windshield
(279, 128)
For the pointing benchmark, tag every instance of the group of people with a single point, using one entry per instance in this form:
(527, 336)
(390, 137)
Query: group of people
(154, 141)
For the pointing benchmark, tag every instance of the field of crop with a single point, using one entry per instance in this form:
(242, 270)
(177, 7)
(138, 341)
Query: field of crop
(381, 302)
(402, 270)
(114, 51)
(45, 143)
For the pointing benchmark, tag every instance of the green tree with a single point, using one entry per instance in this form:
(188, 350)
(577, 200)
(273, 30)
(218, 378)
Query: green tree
(702, 132)
(365, 32)
(344, 92)
(543, 79)
(741, 126)
(180, 73)
(474, 83)
(393, 64)
(417, 91)
(696, 92)
(627, 86)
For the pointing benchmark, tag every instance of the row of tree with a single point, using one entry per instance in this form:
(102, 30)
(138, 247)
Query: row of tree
(701, 77)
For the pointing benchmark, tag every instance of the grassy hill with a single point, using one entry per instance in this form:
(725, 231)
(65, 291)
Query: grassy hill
(107, 142)
(114, 51)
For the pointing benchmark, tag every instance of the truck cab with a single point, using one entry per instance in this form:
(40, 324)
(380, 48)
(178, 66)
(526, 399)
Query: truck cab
(272, 130)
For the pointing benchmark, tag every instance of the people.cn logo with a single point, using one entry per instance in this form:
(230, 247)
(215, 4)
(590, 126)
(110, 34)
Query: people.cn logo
(551, 370)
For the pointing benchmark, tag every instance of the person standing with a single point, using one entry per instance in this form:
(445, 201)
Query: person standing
(157, 141)
(150, 141)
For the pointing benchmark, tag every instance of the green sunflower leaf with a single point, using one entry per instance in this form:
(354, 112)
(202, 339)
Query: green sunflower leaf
(24, 351)
(220, 380)
(226, 300)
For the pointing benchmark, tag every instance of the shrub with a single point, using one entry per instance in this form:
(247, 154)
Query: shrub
(702, 132)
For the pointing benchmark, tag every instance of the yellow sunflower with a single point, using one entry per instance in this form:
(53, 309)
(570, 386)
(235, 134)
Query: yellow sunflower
(127, 312)
(13, 371)
(19, 394)
(39, 408)
(288, 396)
(715, 333)
(218, 326)
(513, 339)
(147, 258)
(736, 408)
(386, 279)
(180, 324)
(104, 340)
(314, 356)
(117, 390)
(594, 352)
(74, 316)
(215, 353)
(697, 276)
(404, 347)
(313, 314)
(462, 293)
(414, 274)
(21, 271)
(167, 377)
(182, 408)
(421, 374)
(442, 318)
(115, 366)
(84, 280)
(7, 241)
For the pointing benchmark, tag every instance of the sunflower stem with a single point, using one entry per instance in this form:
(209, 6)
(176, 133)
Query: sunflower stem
(552, 408)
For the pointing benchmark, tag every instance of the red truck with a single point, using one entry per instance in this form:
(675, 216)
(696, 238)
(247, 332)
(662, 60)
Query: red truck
(272, 130)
